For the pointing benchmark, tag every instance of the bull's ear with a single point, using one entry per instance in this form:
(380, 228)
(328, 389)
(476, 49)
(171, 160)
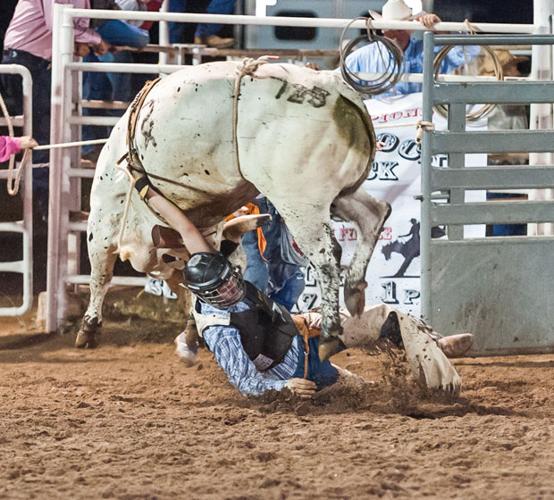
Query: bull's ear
(165, 237)
(235, 228)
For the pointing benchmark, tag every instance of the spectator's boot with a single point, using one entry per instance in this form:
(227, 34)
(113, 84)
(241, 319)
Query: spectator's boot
(214, 41)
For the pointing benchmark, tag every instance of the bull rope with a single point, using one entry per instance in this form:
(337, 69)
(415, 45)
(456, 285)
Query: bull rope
(246, 68)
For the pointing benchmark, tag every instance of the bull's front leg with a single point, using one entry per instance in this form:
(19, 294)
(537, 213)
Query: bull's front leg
(368, 215)
(102, 260)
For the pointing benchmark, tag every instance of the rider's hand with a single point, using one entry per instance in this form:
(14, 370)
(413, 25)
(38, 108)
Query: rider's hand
(301, 387)
(428, 20)
(102, 48)
(27, 142)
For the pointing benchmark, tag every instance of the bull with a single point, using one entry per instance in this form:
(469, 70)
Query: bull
(210, 138)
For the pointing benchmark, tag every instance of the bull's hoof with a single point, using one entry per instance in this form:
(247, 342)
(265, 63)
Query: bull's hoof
(354, 298)
(329, 346)
(86, 340)
(87, 335)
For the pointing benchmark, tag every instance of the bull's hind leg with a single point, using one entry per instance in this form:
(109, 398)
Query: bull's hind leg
(368, 215)
(102, 261)
(313, 233)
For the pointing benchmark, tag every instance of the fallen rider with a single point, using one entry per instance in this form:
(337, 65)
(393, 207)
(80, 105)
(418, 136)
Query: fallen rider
(259, 345)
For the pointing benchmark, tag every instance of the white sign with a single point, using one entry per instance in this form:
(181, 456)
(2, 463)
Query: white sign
(393, 274)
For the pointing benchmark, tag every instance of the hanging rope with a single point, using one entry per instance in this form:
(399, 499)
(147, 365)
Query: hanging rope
(13, 182)
(246, 68)
(389, 51)
(482, 111)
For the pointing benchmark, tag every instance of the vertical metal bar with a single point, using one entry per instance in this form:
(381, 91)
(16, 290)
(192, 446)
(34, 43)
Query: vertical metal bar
(426, 157)
(74, 200)
(456, 123)
(62, 53)
(163, 58)
(27, 83)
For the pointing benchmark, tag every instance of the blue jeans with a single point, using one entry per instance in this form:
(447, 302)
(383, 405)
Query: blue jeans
(110, 86)
(177, 30)
(323, 373)
(505, 229)
(282, 281)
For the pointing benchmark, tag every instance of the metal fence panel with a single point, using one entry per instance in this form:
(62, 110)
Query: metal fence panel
(500, 291)
(502, 288)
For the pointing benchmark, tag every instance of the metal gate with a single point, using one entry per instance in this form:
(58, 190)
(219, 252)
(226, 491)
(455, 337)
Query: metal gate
(25, 225)
(499, 288)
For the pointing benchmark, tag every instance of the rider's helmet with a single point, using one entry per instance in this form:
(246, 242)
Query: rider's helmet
(213, 280)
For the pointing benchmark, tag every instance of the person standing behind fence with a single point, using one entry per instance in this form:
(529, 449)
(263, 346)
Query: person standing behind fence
(206, 34)
(374, 58)
(29, 42)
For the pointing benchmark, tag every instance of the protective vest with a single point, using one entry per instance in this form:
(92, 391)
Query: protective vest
(266, 329)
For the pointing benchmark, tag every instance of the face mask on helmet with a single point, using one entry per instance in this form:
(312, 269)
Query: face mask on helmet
(213, 280)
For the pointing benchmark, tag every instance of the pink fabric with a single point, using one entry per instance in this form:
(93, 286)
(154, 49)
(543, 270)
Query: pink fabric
(31, 27)
(8, 147)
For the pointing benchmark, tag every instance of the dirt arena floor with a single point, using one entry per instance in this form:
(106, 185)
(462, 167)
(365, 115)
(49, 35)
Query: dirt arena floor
(129, 421)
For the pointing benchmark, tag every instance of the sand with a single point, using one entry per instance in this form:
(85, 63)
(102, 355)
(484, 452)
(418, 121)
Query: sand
(128, 420)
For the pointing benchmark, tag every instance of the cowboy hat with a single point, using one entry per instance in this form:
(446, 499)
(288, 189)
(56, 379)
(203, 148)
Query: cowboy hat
(393, 10)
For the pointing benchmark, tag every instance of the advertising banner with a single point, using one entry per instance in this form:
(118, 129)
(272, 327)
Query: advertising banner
(393, 275)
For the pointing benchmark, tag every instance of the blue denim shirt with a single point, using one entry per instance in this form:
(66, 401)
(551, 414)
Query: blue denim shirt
(375, 58)
(224, 342)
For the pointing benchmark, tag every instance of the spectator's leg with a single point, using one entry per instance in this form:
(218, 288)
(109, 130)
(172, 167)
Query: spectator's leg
(177, 30)
(117, 32)
(208, 33)
(505, 229)
(10, 86)
(121, 82)
(215, 7)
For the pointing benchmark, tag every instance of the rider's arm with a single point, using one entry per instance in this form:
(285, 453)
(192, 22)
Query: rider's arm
(225, 344)
(192, 238)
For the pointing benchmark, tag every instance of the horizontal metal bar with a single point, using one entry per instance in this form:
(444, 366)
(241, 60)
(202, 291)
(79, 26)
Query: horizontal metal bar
(16, 266)
(124, 67)
(17, 121)
(97, 104)
(493, 92)
(492, 240)
(12, 227)
(4, 174)
(305, 22)
(83, 173)
(84, 279)
(515, 212)
(536, 141)
(505, 177)
(14, 311)
(77, 227)
(95, 121)
(494, 39)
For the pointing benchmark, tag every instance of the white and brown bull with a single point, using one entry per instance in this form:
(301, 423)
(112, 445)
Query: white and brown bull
(303, 138)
